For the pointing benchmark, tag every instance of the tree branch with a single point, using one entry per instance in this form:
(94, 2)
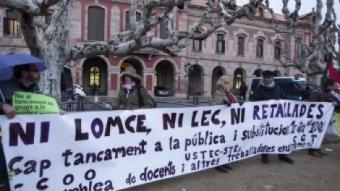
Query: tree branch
(129, 41)
(112, 47)
(59, 18)
(213, 18)
(30, 32)
(292, 18)
(32, 7)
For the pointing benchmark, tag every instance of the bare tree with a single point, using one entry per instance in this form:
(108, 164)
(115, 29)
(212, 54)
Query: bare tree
(312, 61)
(47, 36)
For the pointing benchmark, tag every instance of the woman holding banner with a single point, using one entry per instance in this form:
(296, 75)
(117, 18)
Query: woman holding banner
(132, 94)
(224, 95)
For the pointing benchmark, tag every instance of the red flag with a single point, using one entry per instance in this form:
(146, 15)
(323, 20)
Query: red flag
(332, 73)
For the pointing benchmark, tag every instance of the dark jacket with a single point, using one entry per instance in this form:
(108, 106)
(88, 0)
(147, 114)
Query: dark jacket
(243, 89)
(267, 93)
(8, 88)
(326, 96)
(320, 96)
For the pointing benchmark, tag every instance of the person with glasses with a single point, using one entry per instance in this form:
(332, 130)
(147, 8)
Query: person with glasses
(25, 78)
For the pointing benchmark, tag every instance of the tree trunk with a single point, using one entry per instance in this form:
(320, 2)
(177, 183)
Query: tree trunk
(50, 81)
(50, 41)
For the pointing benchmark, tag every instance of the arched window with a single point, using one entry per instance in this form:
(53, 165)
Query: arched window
(238, 80)
(94, 77)
(127, 19)
(96, 23)
(298, 47)
(240, 47)
(197, 45)
(259, 48)
(277, 50)
(261, 12)
(11, 24)
(220, 44)
(239, 75)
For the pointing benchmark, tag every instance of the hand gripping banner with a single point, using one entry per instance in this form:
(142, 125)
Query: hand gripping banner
(113, 150)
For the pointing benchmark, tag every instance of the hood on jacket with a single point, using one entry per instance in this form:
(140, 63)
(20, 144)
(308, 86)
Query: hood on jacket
(131, 72)
(223, 82)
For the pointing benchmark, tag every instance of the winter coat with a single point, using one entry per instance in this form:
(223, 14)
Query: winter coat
(221, 98)
(134, 100)
(320, 96)
(220, 95)
(326, 96)
(263, 92)
(243, 89)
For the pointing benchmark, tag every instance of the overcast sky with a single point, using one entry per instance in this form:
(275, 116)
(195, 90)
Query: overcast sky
(307, 6)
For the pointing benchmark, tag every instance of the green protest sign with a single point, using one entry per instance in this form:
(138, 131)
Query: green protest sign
(31, 103)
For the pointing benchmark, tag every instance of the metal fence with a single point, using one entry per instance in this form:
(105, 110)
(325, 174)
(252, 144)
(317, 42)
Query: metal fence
(73, 104)
(79, 104)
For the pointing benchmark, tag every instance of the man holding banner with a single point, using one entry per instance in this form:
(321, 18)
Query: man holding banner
(268, 90)
(25, 79)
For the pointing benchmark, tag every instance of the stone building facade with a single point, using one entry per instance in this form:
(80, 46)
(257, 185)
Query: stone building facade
(240, 50)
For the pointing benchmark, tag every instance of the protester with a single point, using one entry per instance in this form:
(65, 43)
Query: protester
(243, 90)
(25, 79)
(224, 95)
(268, 90)
(132, 94)
(325, 95)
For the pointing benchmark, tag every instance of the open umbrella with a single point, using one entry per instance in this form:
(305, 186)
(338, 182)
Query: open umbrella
(7, 63)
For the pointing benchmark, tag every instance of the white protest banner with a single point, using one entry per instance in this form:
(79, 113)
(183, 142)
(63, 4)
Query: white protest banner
(113, 150)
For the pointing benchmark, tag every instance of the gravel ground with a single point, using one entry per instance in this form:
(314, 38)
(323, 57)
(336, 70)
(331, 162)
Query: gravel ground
(307, 174)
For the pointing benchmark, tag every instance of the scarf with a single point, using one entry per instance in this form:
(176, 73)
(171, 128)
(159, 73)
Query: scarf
(231, 97)
(129, 86)
(267, 86)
